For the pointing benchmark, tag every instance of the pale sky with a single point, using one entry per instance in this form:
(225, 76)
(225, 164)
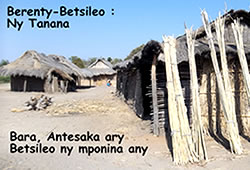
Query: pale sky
(134, 22)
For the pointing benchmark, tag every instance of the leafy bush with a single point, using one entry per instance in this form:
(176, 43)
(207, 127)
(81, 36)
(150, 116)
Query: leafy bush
(4, 62)
(4, 79)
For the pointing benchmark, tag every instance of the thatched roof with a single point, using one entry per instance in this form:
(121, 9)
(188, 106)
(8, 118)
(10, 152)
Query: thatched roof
(150, 49)
(32, 63)
(108, 64)
(202, 49)
(130, 62)
(201, 45)
(92, 71)
(242, 15)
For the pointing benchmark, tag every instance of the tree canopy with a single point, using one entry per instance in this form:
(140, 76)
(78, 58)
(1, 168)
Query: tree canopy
(4, 62)
(77, 61)
(134, 51)
(115, 61)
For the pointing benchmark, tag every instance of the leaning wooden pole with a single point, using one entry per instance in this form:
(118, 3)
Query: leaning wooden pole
(156, 129)
(183, 150)
(219, 27)
(238, 34)
(197, 127)
(181, 107)
(232, 129)
(172, 109)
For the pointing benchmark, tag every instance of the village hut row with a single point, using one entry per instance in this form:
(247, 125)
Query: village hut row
(35, 71)
(99, 73)
(134, 78)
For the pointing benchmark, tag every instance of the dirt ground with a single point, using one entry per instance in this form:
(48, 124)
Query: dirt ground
(117, 118)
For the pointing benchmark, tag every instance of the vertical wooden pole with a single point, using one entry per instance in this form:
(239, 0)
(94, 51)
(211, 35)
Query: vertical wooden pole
(25, 85)
(185, 130)
(219, 26)
(238, 34)
(156, 129)
(66, 87)
(53, 85)
(172, 109)
(197, 127)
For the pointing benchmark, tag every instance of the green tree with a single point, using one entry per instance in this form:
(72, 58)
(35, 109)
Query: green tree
(134, 51)
(4, 79)
(77, 61)
(91, 60)
(4, 62)
(116, 60)
(109, 59)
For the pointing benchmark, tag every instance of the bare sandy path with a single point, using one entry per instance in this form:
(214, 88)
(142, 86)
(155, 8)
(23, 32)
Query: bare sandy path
(121, 120)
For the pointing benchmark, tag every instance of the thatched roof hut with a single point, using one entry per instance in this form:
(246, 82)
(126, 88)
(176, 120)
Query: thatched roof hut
(99, 72)
(136, 73)
(35, 71)
(134, 81)
(212, 111)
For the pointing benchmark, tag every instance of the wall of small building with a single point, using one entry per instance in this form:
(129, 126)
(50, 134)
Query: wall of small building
(18, 83)
(56, 84)
(99, 80)
(212, 111)
(103, 79)
(135, 87)
(87, 82)
(129, 87)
